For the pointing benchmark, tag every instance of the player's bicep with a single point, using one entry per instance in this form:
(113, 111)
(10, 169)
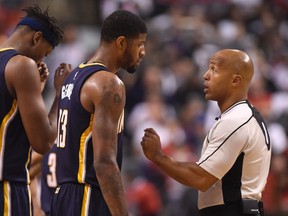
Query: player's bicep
(28, 93)
(107, 114)
(24, 80)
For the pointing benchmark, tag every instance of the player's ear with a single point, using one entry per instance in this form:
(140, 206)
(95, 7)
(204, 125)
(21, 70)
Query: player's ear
(37, 37)
(121, 43)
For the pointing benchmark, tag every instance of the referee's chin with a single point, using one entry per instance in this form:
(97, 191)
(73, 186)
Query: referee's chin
(209, 97)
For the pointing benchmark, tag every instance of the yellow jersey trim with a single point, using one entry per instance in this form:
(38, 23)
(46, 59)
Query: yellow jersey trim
(7, 200)
(3, 128)
(4, 49)
(27, 164)
(82, 151)
(82, 65)
(86, 200)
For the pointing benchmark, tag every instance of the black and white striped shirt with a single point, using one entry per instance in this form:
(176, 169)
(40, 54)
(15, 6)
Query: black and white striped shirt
(237, 151)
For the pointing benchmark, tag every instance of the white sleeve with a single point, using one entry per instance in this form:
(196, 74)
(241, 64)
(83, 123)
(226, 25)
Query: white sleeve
(222, 147)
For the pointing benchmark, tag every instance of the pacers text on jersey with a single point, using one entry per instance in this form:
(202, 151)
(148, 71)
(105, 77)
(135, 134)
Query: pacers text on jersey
(67, 91)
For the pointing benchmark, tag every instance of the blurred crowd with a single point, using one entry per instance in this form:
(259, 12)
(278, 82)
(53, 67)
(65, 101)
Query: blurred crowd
(167, 91)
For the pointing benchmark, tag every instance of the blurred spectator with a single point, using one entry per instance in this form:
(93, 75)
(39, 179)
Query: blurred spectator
(143, 198)
(10, 13)
(153, 112)
(275, 195)
(192, 118)
(70, 51)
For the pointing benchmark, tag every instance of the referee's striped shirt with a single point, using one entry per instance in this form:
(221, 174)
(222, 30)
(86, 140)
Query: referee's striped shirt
(237, 151)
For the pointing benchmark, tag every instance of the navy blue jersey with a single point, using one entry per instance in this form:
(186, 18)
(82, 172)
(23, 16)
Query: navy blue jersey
(74, 140)
(15, 151)
(48, 179)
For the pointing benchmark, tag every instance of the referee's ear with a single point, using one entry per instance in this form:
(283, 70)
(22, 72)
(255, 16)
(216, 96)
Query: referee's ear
(236, 80)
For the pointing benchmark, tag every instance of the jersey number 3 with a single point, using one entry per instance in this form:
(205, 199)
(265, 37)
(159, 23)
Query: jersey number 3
(51, 178)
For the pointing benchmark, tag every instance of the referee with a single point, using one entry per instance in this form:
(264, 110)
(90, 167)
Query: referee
(235, 159)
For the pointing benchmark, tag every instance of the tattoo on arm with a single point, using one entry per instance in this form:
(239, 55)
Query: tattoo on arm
(111, 104)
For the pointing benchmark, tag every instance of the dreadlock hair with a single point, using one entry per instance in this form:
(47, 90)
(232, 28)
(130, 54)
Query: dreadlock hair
(122, 23)
(40, 20)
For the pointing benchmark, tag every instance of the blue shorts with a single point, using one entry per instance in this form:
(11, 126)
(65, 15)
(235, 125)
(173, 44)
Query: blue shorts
(78, 200)
(15, 199)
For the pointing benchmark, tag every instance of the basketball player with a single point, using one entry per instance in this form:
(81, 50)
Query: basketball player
(25, 123)
(90, 123)
(48, 179)
(232, 170)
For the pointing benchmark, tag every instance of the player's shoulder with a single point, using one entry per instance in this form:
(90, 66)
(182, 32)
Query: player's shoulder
(106, 78)
(21, 69)
(22, 62)
(101, 86)
(103, 83)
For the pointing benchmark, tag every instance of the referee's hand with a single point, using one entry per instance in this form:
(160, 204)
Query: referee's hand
(151, 144)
